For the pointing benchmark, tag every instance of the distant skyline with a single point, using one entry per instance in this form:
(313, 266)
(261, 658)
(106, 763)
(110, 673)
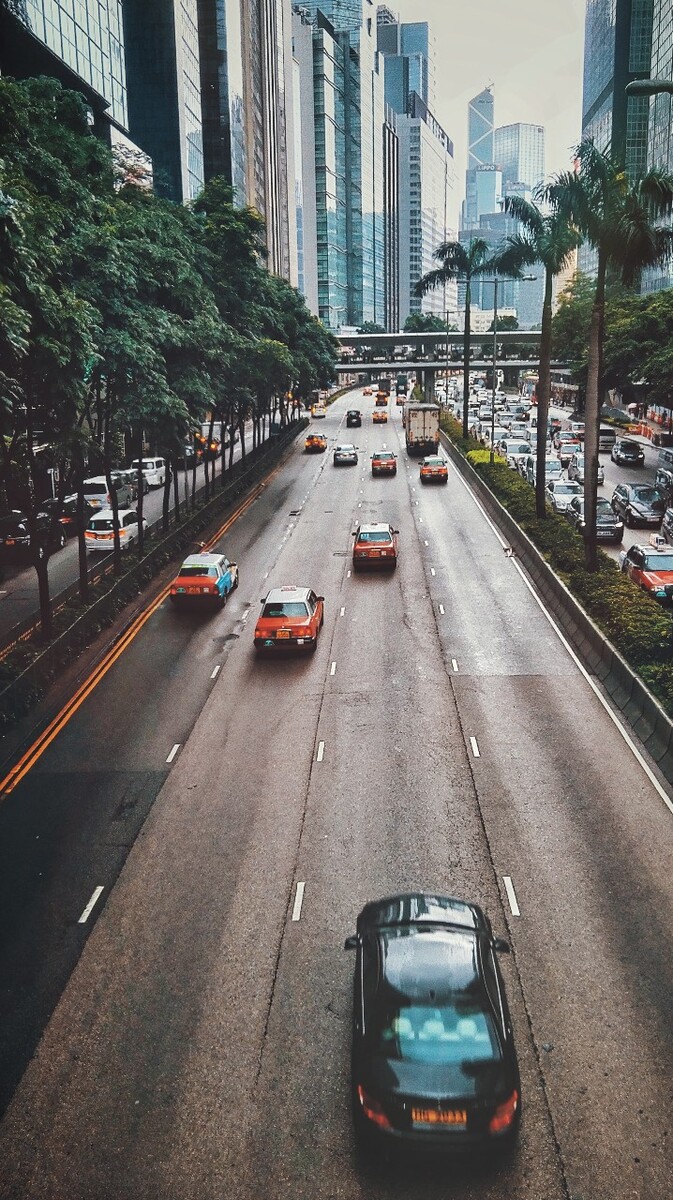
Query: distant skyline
(530, 50)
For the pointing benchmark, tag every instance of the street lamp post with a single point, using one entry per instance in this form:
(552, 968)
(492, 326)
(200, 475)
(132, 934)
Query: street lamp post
(495, 355)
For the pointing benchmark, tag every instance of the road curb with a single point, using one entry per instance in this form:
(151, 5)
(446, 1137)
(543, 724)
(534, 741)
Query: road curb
(648, 720)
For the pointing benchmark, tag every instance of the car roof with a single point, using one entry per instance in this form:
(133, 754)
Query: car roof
(203, 560)
(287, 593)
(107, 512)
(416, 961)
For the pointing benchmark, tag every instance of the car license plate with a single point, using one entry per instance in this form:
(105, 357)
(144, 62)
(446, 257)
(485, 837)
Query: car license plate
(193, 589)
(283, 633)
(606, 533)
(455, 1117)
(376, 553)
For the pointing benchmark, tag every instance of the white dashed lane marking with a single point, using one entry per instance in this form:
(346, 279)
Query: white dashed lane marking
(173, 752)
(88, 910)
(321, 752)
(298, 901)
(475, 748)
(215, 672)
(511, 896)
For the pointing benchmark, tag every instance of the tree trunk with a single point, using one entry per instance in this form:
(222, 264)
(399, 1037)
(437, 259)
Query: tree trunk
(166, 506)
(140, 504)
(112, 491)
(207, 457)
(41, 564)
(193, 498)
(466, 359)
(241, 430)
(81, 543)
(592, 416)
(176, 490)
(543, 388)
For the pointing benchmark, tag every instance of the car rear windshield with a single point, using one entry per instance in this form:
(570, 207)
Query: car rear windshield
(384, 455)
(433, 462)
(105, 524)
(198, 572)
(290, 608)
(367, 536)
(457, 1031)
(95, 489)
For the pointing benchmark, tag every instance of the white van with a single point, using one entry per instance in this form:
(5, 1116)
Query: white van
(154, 470)
(607, 436)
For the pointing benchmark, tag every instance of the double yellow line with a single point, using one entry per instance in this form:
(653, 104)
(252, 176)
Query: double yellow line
(41, 743)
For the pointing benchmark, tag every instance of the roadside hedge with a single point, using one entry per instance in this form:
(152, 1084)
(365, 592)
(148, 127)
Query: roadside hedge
(636, 624)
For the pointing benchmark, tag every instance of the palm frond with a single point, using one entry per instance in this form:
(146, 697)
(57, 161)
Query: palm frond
(517, 251)
(527, 213)
(434, 279)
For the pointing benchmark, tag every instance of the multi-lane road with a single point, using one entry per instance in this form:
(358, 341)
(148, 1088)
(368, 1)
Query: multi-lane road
(189, 1035)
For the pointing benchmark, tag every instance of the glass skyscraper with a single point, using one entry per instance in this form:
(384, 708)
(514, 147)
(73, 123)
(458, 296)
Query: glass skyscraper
(617, 49)
(519, 153)
(480, 153)
(87, 35)
(660, 147)
(164, 92)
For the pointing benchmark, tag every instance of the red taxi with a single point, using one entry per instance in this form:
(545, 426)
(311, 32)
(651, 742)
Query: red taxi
(651, 567)
(380, 416)
(384, 462)
(291, 618)
(434, 469)
(381, 400)
(315, 443)
(204, 578)
(375, 546)
(366, 391)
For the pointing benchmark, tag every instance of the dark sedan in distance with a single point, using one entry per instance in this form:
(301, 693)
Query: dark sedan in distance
(433, 1059)
(609, 527)
(353, 418)
(627, 453)
(639, 504)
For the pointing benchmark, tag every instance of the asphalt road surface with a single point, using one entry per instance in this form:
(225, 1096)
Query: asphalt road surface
(194, 1035)
(18, 583)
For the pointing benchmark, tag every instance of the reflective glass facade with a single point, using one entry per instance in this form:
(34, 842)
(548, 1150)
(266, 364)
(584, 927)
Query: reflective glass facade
(426, 202)
(221, 68)
(617, 48)
(660, 148)
(88, 36)
(519, 154)
(480, 151)
(330, 165)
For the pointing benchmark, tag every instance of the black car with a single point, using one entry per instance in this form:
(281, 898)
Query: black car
(15, 538)
(627, 453)
(68, 518)
(609, 527)
(639, 504)
(353, 418)
(433, 1059)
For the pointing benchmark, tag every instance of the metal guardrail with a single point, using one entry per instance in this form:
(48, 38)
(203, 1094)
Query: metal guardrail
(21, 693)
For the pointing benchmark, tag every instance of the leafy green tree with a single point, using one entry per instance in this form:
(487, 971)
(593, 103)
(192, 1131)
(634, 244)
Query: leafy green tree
(620, 220)
(507, 323)
(426, 323)
(467, 263)
(371, 327)
(571, 324)
(549, 239)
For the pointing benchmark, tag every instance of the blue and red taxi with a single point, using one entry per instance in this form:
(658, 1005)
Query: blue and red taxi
(204, 578)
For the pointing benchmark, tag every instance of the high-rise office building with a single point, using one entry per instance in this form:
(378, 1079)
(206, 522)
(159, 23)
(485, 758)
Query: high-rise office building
(617, 49)
(81, 44)
(480, 154)
(164, 91)
(349, 119)
(409, 59)
(660, 142)
(518, 152)
(391, 221)
(425, 208)
(221, 69)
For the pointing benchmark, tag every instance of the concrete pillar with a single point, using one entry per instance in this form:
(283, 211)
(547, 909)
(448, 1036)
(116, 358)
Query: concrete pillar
(429, 385)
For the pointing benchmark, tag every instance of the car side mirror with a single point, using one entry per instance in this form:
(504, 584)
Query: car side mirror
(351, 942)
(502, 946)
(396, 531)
(321, 598)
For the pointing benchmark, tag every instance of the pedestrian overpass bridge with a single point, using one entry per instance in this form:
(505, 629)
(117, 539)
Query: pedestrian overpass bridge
(372, 353)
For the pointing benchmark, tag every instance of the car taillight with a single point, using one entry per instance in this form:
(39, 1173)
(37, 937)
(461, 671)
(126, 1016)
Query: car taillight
(372, 1109)
(504, 1114)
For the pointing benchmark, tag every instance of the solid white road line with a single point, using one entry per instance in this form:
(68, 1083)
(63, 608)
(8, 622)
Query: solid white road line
(564, 641)
(332, 669)
(173, 752)
(441, 610)
(87, 911)
(298, 901)
(454, 664)
(215, 672)
(321, 752)
(511, 896)
(342, 612)
(475, 748)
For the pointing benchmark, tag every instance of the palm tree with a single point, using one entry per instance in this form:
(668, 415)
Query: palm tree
(619, 219)
(549, 239)
(459, 262)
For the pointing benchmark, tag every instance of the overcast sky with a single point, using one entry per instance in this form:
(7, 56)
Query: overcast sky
(530, 50)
